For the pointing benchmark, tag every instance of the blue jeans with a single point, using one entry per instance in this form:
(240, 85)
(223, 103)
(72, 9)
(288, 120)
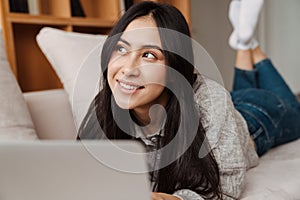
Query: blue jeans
(269, 107)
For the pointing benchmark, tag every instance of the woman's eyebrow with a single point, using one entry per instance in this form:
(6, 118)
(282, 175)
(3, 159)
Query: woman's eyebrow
(147, 46)
(124, 41)
(152, 47)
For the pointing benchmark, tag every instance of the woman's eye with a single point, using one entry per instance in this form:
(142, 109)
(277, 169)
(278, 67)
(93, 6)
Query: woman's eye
(149, 55)
(121, 49)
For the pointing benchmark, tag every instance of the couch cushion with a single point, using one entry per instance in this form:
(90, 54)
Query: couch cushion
(67, 52)
(15, 120)
(277, 175)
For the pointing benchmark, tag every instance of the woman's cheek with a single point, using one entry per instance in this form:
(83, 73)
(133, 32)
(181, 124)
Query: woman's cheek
(155, 74)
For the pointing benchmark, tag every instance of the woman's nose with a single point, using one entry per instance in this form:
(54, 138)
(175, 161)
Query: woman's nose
(131, 66)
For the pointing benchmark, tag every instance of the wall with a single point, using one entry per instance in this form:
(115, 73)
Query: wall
(278, 32)
(211, 28)
(282, 38)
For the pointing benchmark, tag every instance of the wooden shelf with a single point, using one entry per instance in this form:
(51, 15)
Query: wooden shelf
(93, 22)
(62, 21)
(30, 66)
(36, 19)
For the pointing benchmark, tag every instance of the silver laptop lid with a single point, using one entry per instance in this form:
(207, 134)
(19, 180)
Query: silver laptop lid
(65, 170)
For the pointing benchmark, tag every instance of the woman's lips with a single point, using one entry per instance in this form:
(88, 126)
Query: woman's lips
(128, 87)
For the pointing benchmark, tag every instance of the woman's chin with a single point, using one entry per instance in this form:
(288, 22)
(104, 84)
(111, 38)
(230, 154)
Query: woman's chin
(124, 104)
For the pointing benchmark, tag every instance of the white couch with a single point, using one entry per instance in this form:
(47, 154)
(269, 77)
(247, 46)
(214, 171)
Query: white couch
(277, 177)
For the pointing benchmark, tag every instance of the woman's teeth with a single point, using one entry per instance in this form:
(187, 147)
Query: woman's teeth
(128, 87)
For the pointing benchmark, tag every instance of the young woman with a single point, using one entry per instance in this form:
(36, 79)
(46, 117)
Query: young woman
(205, 140)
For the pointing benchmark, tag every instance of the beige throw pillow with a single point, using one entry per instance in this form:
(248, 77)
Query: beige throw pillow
(75, 57)
(15, 120)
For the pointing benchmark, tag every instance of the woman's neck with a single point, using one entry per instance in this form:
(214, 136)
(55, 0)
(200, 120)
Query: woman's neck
(153, 121)
(152, 117)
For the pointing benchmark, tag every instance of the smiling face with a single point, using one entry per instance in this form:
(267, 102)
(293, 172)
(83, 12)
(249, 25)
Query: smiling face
(136, 71)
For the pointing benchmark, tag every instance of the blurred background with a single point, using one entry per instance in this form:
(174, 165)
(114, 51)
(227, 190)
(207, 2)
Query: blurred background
(278, 33)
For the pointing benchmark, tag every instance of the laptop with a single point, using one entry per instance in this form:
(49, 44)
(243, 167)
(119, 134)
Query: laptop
(69, 170)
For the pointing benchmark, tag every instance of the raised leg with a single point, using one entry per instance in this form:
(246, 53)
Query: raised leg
(268, 78)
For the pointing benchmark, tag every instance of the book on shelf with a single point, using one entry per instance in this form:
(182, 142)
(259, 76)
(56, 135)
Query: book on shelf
(122, 7)
(34, 7)
(76, 9)
(20, 6)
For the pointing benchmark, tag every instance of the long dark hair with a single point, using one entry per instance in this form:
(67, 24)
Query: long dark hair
(188, 171)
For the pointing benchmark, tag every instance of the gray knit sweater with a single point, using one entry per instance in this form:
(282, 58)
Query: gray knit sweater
(228, 136)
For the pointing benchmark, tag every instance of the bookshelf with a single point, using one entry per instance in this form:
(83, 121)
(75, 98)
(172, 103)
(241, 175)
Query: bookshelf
(28, 63)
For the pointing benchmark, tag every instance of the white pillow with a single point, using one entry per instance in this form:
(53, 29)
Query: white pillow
(76, 59)
(15, 120)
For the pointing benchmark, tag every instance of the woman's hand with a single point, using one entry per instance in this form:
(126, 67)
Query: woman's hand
(163, 196)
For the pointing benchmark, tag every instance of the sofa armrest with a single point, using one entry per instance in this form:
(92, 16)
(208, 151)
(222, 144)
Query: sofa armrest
(51, 114)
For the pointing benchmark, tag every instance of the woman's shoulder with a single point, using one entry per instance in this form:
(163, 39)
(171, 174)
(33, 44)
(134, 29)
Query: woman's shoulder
(212, 99)
(214, 105)
(208, 89)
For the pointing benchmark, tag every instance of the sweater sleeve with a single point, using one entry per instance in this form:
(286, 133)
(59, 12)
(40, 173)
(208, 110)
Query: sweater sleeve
(234, 154)
(229, 155)
(232, 164)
